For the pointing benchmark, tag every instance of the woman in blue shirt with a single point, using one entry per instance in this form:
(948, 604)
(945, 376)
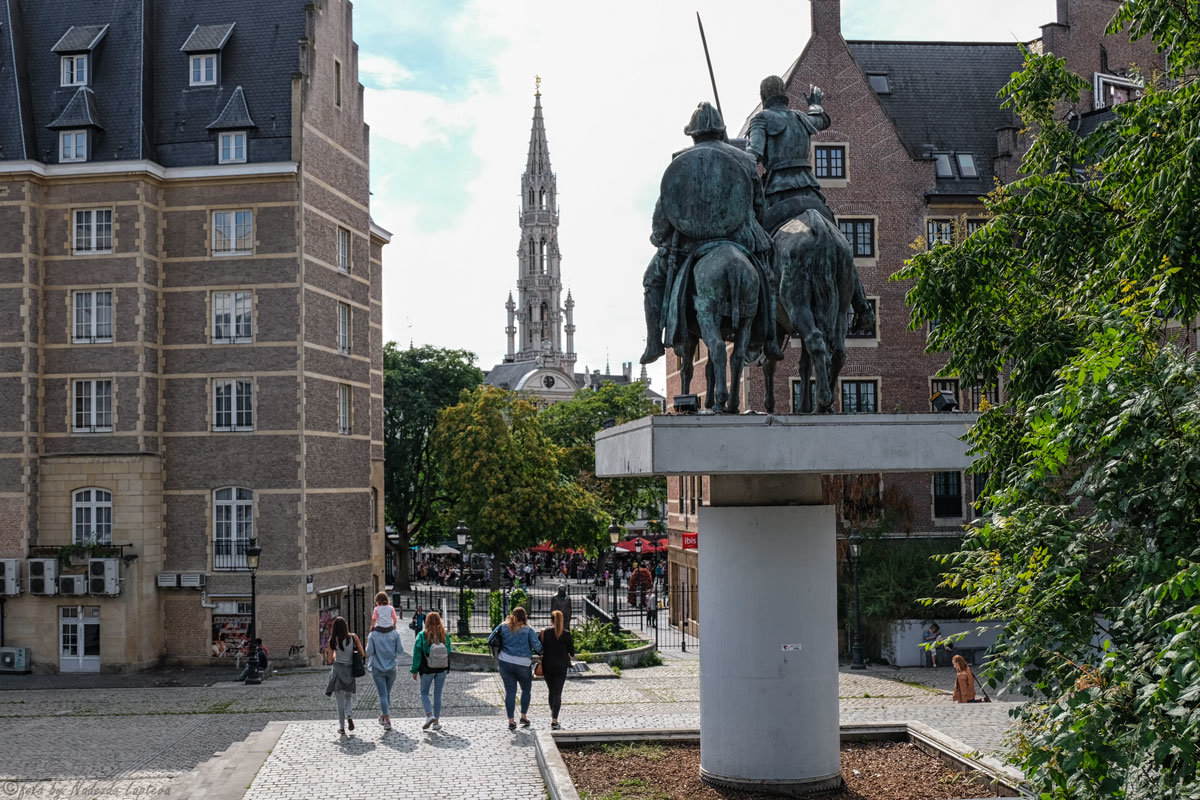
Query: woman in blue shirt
(518, 644)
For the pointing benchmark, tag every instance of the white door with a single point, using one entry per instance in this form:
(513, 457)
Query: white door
(79, 639)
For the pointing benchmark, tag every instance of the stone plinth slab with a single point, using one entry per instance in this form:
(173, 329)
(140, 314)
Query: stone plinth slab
(760, 444)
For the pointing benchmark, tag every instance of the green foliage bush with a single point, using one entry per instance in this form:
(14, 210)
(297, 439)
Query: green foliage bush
(519, 597)
(650, 659)
(597, 637)
(495, 608)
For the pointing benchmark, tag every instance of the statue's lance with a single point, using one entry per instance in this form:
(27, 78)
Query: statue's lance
(707, 58)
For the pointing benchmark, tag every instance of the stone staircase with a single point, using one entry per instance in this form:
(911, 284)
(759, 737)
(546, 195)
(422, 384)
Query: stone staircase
(229, 773)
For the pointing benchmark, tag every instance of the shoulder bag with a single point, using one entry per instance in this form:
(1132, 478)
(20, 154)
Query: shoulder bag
(357, 668)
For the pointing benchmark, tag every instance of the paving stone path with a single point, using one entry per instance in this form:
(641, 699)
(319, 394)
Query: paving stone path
(125, 741)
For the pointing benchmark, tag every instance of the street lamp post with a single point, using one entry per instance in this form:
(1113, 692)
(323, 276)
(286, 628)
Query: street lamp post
(464, 624)
(641, 595)
(253, 551)
(614, 536)
(856, 654)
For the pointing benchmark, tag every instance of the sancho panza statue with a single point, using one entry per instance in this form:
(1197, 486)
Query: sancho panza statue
(676, 247)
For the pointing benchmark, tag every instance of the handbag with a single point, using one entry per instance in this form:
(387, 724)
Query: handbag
(357, 667)
(495, 642)
(537, 670)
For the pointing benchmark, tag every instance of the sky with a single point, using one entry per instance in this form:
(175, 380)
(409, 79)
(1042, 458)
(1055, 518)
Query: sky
(449, 98)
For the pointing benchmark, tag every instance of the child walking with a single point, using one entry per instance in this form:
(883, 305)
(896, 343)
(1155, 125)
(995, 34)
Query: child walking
(384, 617)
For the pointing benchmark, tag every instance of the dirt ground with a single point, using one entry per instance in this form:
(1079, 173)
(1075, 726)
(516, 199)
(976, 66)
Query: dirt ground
(670, 771)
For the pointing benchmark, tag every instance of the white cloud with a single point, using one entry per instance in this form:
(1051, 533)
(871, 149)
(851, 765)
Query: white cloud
(619, 83)
(382, 72)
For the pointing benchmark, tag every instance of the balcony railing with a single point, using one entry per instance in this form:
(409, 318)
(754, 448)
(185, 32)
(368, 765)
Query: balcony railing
(229, 554)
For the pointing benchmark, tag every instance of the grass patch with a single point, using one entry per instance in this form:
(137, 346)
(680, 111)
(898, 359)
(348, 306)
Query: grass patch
(650, 659)
(220, 707)
(477, 645)
(651, 751)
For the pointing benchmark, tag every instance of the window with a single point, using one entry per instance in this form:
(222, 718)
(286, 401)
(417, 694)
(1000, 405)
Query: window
(74, 70)
(798, 394)
(233, 232)
(979, 394)
(233, 148)
(233, 527)
(233, 405)
(860, 397)
(92, 511)
(1112, 90)
(344, 394)
(343, 249)
(830, 161)
(879, 82)
(966, 165)
(942, 166)
(374, 509)
(72, 146)
(337, 83)
(939, 385)
(204, 70)
(343, 327)
(93, 230)
(975, 225)
(233, 317)
(860, 233)
(947, 494)
(93, 406)
(939, 231)
(94, 316)
(871, 334)
(979, 484)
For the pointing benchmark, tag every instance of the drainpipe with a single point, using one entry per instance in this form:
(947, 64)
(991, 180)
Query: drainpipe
(2, 621)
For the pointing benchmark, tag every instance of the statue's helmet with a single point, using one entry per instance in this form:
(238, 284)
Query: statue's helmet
(771, 86)
(705, 119)
(562, 590)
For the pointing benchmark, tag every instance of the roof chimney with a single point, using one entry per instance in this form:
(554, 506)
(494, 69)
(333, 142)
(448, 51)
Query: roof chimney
(826, 18)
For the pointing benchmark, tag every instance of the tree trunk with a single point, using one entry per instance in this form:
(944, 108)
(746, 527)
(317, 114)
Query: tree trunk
(402, 582)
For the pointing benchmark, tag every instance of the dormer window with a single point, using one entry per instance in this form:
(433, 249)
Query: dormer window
(74, 70)
(204, 70)
(966, 165)
(72, 146)
(879, 82)
(942, 166)
(232, 147)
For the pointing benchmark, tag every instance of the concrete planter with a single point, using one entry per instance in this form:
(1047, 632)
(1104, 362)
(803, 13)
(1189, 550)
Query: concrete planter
(483, 662)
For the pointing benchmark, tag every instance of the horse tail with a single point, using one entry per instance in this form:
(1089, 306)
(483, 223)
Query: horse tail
(825, 250)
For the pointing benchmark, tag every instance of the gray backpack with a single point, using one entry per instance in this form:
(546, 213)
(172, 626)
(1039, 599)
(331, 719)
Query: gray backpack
(439, 656)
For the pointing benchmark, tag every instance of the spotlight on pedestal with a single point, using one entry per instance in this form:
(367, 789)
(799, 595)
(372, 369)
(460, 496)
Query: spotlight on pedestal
(944, 401)
(686, 404)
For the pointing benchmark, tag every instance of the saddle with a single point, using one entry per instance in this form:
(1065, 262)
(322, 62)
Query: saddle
(792, 206)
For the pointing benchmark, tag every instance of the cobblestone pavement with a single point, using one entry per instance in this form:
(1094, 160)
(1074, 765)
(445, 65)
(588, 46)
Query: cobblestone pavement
(121, 741)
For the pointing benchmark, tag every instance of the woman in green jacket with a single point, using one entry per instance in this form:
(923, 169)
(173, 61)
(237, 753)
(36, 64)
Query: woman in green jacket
(431, 662)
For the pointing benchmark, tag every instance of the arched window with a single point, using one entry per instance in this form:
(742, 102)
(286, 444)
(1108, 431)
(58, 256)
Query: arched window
(92, 510)
(531, 197)
(233, 526)
(542, 199)
(542, 260)
(532, 257)
(374, 509)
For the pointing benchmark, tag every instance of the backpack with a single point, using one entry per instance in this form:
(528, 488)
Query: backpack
(439, 656)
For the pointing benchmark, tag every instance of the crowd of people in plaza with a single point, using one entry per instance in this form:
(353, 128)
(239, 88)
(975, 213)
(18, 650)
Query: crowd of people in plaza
(514, 643)
(530, 568)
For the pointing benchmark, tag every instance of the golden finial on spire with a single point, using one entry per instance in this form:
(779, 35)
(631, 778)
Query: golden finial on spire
(537, 85)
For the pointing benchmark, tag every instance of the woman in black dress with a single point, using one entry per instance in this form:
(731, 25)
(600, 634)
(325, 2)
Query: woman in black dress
(557, 651)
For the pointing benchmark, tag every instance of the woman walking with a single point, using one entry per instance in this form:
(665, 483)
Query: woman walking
(557, 651)
(383, 650)
(431, 662)
(518, 643)
(342, 647)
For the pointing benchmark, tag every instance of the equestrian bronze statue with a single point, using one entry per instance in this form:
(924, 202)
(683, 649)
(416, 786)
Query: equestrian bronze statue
(818, 282)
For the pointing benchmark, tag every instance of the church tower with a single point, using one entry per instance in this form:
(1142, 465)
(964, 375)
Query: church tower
(539, 310)
(540, 327)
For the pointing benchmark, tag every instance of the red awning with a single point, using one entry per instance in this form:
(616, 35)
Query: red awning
(631, 545)
(544, 547)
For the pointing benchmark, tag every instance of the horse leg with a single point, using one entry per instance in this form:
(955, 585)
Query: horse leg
(769, 384)
(710, 331)
(708, 380)
(737, 362)
(806, 398)
(687, 365)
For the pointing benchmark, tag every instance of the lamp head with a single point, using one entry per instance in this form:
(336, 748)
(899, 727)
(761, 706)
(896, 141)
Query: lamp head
(637, 545)
(856, 540)
(253, 552)
(460, 533)
(614, 533)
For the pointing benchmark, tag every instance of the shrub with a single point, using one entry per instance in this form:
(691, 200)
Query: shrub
(519, 597)
(651, 659)
(597, 637)
(495, 608)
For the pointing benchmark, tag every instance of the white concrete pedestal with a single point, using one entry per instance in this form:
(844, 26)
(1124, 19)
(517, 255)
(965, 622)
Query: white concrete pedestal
(768, 664)
(768, 604)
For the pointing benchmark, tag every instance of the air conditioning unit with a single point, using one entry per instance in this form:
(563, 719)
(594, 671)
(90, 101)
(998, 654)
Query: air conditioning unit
(14, 659)
(72, 584)
(43, 576)
(167, 580)
(10, 576)
(192, 580)
(104, 576)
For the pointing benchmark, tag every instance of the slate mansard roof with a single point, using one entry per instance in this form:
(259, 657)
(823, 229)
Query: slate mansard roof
(944, 99)
(138, 77)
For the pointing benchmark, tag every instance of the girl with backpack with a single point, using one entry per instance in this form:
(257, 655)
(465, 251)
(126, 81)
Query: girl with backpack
(517, 643)
(431, 662)
(557, 650)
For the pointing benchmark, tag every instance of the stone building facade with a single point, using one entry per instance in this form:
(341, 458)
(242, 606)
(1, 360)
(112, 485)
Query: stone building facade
(917, 136)
(190, 330)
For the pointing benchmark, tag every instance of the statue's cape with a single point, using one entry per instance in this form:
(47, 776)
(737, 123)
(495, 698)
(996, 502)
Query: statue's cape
(707, 194)
(776, 119)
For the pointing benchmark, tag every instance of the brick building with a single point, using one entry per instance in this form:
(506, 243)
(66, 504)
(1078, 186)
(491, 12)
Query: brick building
(190, 330)
(917, 136)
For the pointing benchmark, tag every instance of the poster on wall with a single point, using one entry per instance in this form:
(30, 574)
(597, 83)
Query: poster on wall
(325, 625)
(230, 633)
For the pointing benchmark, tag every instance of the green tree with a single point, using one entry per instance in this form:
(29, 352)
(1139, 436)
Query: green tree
(503, 477)
(573, 424)
(417, 383)
(1089, 541)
